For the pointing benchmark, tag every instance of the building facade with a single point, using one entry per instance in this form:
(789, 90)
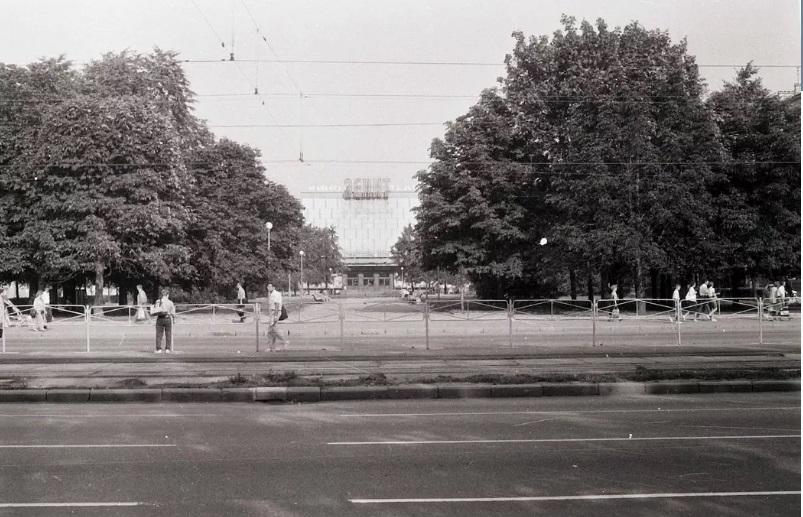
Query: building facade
(368, 215)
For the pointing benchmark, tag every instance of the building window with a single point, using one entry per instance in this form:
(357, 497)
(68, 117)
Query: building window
(368, 282)
(353, 282)
(384, 281)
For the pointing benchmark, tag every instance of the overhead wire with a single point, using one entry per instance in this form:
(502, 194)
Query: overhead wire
(231, 58)
(430, 63)
(211, 27)
(287, 73)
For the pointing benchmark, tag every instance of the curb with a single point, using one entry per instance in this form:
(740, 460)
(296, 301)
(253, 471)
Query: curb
(409, 391)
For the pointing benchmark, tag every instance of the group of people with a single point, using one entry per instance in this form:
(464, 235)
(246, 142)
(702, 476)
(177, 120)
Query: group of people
(165, 312)
(776, 300)
(41, 313)
(697, 302)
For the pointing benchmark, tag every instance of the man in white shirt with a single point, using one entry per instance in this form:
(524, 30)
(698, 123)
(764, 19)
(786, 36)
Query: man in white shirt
(165, 311)
(274, 312)
(241, 301)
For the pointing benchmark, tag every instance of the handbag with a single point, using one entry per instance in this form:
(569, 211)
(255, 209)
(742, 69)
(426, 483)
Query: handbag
(283, 315)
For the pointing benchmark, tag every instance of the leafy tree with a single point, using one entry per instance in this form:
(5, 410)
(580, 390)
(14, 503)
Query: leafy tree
(407, 253)
(26, 94)
(598, 140)
(758, 189)
(231, 202)
(321, 252)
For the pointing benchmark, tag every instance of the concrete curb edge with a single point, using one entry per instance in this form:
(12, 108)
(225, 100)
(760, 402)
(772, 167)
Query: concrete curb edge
(397, 392)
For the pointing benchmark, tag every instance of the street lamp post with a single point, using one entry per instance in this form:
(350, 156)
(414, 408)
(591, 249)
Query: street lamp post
(269, 226)
(402, 269)
(301, 253)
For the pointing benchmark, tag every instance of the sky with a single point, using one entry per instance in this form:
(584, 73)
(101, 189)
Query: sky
(352, 119)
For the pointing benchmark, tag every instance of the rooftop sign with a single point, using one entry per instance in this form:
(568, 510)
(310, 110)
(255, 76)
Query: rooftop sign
(366, 188)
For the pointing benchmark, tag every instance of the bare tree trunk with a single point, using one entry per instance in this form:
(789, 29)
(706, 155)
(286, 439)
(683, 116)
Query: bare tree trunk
(638, 287)
(572, 284)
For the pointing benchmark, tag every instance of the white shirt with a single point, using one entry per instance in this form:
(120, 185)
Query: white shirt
(703, 291)
(46, 297)
(38, 304)
(165, 307)
(240, 293)
(781, 292)
(691, 295)
(676, 295)
(275, 301)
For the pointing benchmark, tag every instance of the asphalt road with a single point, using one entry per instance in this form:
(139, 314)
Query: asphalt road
(685, 455)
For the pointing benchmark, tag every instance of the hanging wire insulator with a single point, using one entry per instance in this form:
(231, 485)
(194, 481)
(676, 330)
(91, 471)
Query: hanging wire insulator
(256, 90)
(231, 56)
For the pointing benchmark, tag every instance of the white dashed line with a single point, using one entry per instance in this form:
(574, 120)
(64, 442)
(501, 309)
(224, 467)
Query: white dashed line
(557, 440)
(598, 411)
(571, 497)
(87, 446)
(67, 505)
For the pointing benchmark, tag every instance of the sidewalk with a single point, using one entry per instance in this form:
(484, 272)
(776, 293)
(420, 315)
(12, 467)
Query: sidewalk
(306, 375)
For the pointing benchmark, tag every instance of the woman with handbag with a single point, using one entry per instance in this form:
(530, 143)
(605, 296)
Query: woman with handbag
(142, 302)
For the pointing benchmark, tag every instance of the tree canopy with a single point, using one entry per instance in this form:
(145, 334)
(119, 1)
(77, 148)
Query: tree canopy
(602, 141)
(107, 174)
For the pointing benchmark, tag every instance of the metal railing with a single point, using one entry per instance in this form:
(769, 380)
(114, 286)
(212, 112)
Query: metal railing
(529, 322)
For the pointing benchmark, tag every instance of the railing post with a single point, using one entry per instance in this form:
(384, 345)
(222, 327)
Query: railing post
(760, 321)
(510, 322)
(593, 323)
(551, 309)
(426, 321)
(87, 318)
(3, 327)
(256, 323)
(678, 314)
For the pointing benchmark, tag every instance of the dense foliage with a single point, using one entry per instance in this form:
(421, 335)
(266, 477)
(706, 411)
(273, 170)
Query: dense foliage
(602, 141)
(107, 175)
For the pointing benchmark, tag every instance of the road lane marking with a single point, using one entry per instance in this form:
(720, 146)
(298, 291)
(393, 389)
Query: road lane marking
(98, 446)
(494, 413)
(573, 497)
(557, 440)
(67, 505)
(125, 415)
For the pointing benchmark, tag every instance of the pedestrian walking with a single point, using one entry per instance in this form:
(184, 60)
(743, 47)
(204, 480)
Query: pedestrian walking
(6, 305)
(39, 312)
(615, 297)
(241, 301)
(783, 310)
(676, 304)
(702, 297)
(165, 312)
(48, 309)
(275, 313)
(774, 297)
(142, 305)
(712, 301)
(691, 300)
